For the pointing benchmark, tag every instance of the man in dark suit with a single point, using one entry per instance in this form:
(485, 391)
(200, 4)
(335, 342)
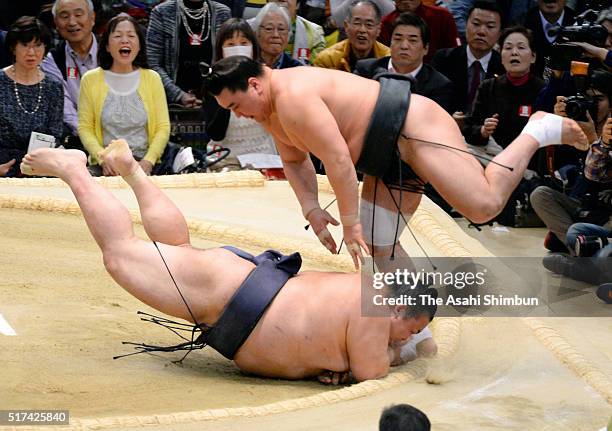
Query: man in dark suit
(549, 14)
(467, 65)
(409, 44)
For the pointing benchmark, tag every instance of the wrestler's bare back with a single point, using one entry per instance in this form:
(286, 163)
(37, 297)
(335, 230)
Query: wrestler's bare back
(306, 328)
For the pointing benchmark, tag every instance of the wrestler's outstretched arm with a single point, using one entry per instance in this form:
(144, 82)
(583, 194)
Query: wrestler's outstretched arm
(302, 177)
(312, 125)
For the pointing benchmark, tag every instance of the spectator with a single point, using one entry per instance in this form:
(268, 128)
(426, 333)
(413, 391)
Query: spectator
(30, 100)
(604, 54)
(76, 55)
(557, 210)
(467, 66)
(272, 26)
(547, 15)
(121, 99)
(182, 34)
(441, 24)
(403, 417)
(504, 104)
(4, 55)
(241, 135)
(362, 28)
(598, 269)
(340, 8)
(306, 38)
(409, 44)
(512, 12)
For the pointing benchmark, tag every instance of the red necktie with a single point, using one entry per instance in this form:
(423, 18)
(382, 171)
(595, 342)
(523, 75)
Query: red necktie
(474, 84)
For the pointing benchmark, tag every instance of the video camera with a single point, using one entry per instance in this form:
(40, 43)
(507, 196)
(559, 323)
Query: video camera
(583, 30)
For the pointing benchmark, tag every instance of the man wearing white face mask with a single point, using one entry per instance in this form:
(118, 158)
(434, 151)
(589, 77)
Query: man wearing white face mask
(240, 135)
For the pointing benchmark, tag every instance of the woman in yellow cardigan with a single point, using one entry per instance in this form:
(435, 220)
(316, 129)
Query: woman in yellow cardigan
(123, 99)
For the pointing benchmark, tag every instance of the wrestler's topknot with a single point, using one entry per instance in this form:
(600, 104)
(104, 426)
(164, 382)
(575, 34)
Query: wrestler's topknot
(232, 73)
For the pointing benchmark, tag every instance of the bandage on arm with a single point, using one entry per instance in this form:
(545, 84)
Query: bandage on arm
(309, 206)
(546, 130)
(349, 219)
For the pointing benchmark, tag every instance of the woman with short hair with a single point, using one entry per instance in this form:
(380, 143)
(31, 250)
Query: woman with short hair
(30, 100)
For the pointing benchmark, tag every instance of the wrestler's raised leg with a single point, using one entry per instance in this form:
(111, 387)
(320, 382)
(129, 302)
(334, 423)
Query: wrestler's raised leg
(161, 219)
(133, 263)
(477, 193)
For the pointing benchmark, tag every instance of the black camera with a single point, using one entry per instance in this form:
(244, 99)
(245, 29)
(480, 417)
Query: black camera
(583, 30)
(577, 106)
(588, 245)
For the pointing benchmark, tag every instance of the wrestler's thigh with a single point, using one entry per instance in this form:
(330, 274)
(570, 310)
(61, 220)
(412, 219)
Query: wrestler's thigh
(387, 198)
(137, 266)
(456, 175)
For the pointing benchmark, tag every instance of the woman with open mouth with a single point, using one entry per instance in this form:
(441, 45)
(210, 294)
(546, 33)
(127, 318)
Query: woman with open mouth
(123, 98)
(504, 104)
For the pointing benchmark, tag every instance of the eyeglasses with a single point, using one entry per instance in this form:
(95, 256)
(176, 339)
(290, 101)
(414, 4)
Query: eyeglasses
(271, 29)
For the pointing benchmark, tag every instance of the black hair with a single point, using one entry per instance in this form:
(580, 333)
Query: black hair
(403, 417)
(408, 18)
(232, 73)
(517, 29)
(105, 60)
(601, 80)
(229, 29)
(370, 3)
(489, 5)
(420, 307)
(25, 30)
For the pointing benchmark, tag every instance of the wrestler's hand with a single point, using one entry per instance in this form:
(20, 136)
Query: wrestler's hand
(353, 237)
(334, 378)
(319, 219)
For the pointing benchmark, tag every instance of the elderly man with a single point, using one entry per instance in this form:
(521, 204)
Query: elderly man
(362, 27)
(548, 15)
(76, 55)
(351, 123)
(467, 66)
(409, 45)
(257, 311)
(441, 24)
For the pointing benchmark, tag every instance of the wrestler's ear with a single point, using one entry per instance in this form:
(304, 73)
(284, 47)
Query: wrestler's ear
(256, 84)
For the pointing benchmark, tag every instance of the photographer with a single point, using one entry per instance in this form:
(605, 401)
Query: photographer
(591, 240)
(604, 54)
(557, 210)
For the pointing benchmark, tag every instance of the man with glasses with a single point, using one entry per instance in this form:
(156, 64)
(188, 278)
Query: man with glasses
(362, 27)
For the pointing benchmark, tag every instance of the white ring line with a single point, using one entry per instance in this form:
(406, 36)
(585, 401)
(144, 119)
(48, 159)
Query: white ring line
(5, 328)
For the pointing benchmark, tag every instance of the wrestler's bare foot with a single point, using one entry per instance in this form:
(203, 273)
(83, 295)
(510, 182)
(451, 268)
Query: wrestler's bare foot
(119, 157)
(53, 162)
(571, 133)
